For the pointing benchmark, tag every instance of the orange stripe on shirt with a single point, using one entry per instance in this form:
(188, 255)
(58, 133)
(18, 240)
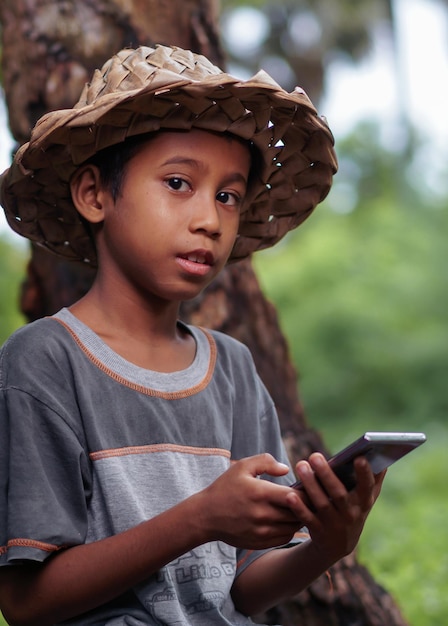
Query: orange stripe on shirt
(244, 558)
(31, 543)
(160, 447)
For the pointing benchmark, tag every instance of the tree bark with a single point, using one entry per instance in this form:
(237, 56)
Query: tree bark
(50, 48)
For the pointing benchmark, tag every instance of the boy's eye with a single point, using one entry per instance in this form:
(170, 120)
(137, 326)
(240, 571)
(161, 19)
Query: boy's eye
(225, 197)
(178, 184)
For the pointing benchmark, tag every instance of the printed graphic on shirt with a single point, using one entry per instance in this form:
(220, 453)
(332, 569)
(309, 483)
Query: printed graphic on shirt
(202, 578)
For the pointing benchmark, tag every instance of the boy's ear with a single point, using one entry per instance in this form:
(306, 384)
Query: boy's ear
(87, 193)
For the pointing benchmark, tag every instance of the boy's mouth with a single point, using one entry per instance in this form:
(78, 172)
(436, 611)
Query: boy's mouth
(197, 263)
(202, 257)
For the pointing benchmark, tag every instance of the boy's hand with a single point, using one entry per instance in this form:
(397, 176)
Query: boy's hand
(334, 517)
(244, 511)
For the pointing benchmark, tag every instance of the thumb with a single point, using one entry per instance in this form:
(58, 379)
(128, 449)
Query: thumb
(265, 464)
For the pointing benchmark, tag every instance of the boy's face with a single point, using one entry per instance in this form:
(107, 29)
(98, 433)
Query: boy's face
(173, 226)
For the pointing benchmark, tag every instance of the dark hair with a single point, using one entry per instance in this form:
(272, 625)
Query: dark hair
(112, 161)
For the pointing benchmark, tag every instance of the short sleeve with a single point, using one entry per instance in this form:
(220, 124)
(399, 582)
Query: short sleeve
(44, 471)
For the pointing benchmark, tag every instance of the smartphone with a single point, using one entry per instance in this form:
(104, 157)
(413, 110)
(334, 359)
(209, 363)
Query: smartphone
(380, 449)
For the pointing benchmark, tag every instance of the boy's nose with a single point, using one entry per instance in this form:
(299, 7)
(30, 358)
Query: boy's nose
(206, 218)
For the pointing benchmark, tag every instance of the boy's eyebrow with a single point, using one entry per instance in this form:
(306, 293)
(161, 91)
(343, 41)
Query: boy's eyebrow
(180, 160)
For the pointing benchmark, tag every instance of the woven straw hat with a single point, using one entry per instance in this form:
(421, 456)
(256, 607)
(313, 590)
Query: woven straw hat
(144, 90)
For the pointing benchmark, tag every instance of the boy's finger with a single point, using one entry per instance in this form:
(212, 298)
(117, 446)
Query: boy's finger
(368, 485)
(316, 477)
(326, 477)
(265, 464)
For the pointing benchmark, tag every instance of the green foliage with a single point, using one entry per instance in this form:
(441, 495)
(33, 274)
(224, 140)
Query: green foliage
(362, 296)
(12, 267)
(363, 301)
(404, 544)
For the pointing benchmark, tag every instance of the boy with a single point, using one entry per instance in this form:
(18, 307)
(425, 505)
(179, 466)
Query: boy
(131, 444)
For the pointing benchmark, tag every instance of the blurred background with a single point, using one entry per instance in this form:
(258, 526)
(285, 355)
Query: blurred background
(361, 289)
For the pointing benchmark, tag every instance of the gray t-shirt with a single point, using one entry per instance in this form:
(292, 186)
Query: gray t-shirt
(91, 445)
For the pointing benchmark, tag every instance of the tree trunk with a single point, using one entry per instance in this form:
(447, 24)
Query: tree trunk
(50, 48)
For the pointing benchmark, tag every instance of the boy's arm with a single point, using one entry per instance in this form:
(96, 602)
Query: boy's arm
(334, 523)
(83, 577)
(237, 508)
